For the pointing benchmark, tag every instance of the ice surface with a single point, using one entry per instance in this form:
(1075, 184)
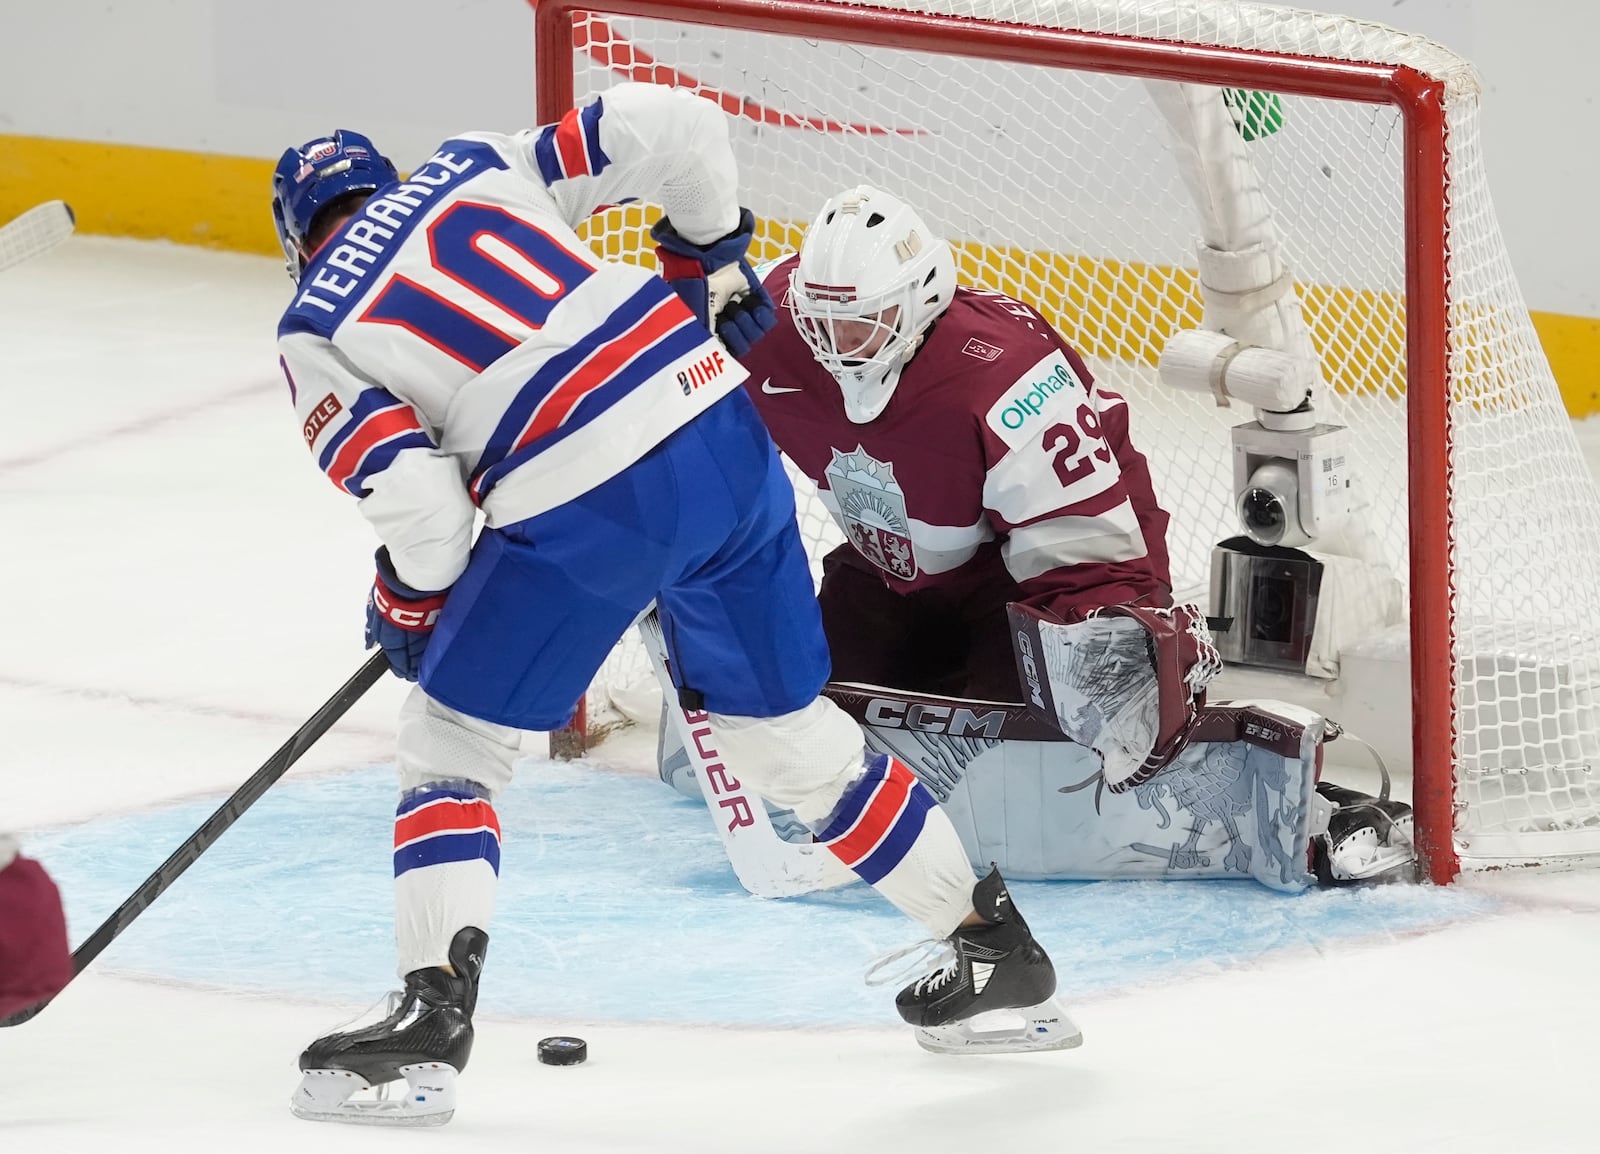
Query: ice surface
(182, 590)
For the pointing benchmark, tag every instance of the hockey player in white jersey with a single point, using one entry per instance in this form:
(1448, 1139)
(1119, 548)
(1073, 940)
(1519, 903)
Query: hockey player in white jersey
(455, 349)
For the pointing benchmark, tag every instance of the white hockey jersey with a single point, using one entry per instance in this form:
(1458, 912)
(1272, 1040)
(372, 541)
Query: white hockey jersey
(456, 345)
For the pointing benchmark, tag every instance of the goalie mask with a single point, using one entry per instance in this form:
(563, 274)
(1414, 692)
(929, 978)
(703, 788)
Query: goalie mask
(871, 280)
(310, 178)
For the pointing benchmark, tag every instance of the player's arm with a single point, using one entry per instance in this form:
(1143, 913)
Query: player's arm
(668, 146)
(643, 142)
(374, 446)
(1077, 529)
(1135, 470)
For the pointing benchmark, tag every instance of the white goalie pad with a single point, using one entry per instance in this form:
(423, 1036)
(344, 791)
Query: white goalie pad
(1238, 801)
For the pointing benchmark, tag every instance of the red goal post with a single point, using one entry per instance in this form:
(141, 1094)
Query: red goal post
(1401, 322)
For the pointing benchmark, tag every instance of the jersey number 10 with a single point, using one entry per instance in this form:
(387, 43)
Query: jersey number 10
(509, 265)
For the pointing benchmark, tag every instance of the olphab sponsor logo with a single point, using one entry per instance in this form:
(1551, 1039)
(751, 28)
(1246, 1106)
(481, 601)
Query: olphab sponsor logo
(1014, 412)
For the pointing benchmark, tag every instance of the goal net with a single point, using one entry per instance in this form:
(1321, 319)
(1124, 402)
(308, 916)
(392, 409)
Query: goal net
(1070, 152)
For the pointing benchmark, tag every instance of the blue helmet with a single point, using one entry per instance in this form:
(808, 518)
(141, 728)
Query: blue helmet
(313, 176)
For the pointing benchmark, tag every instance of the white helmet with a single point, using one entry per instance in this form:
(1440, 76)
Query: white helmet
(870, 262)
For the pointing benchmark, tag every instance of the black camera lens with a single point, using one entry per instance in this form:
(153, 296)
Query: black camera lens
(1272, 601)
(1263, 515)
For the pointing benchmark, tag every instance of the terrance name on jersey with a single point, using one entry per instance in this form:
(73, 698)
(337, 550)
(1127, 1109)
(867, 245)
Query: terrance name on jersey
(363, 245)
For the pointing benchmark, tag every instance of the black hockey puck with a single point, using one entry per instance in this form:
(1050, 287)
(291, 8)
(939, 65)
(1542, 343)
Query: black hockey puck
(562, 1051)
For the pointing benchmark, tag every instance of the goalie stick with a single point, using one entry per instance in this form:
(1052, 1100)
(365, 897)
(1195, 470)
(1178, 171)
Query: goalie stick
(38, 230)
(214, 826)
(765, 864)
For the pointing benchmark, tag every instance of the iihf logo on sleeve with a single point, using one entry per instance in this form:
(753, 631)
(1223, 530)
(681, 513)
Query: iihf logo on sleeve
(703, 371)
(983, 350)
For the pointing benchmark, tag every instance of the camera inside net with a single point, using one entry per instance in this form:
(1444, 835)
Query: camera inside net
(1269, 507)
(1290, 485)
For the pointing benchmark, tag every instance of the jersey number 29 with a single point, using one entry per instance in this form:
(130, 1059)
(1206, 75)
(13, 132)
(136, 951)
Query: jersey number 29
(1065, 444)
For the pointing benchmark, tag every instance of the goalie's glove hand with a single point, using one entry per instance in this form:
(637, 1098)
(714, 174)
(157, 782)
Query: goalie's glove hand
(717, 283)
(400, 618)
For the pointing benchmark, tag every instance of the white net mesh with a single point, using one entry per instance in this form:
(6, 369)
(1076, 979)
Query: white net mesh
(1059, 186)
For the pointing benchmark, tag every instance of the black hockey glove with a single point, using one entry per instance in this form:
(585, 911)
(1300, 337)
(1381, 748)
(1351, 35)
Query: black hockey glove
(717, 283)
(400, 618)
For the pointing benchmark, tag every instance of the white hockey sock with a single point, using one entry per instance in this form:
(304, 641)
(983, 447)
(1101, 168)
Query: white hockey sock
(446, 867)
(890, 830)
(877, 818)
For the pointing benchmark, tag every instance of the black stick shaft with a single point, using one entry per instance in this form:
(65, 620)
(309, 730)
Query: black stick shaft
(214, 826)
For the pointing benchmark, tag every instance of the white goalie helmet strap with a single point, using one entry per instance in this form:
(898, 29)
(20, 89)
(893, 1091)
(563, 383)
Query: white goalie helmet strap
(869, 257)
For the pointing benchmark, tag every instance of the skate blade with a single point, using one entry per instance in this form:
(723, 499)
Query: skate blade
(1026, 1030)
(329, 1096)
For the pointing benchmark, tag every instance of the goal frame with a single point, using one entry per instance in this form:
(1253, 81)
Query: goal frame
(1420, 101)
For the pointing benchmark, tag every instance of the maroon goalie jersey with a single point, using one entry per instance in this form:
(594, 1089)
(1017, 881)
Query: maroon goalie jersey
(997, 450)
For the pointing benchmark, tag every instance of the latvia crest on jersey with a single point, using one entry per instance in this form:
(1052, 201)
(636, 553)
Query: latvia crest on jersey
(873, 509)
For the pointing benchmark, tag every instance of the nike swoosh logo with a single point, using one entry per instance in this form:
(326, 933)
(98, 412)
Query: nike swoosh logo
(768, 387)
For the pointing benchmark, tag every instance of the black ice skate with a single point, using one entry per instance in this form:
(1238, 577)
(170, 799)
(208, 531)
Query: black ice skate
(997, 967)
(425, 1038)
(1369, 840)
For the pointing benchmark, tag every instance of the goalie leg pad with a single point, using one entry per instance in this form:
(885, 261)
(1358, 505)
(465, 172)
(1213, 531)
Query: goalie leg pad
(1239, 801)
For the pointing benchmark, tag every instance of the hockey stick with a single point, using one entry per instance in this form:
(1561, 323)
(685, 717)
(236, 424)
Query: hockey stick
(764, 863)
(214, 826)
(39, 229)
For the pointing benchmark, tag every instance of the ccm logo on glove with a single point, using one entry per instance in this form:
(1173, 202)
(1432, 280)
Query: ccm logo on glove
(414, 615)
(400, 618)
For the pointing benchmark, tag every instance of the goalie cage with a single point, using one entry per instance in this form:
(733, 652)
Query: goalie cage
(1026, 132)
